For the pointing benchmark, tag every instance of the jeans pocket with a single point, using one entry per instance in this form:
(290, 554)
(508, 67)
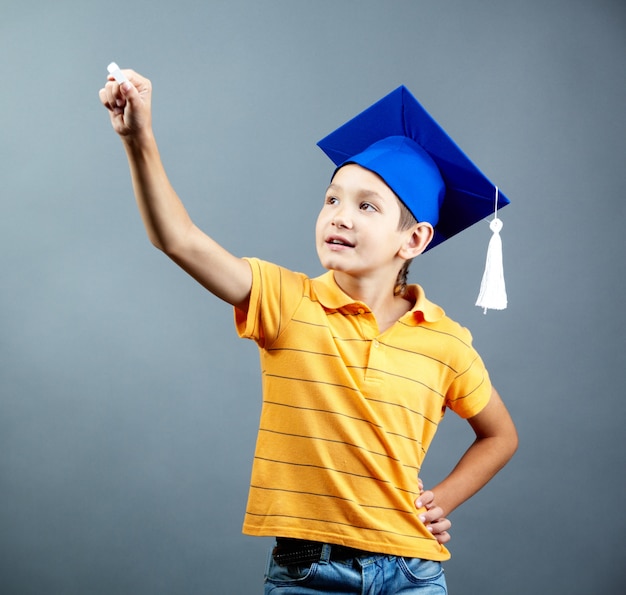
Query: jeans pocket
(293, 575)
(423, 572)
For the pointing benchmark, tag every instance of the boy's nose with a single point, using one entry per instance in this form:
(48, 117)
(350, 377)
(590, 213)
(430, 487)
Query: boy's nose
(342, 219)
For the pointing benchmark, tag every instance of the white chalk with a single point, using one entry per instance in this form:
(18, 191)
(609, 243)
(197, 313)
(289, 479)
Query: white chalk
(116, 73)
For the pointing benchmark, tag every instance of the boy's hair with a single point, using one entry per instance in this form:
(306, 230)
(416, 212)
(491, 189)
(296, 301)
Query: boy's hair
(407, 220)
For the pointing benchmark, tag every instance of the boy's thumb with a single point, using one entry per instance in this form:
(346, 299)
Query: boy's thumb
(127, 88)
(130, 93)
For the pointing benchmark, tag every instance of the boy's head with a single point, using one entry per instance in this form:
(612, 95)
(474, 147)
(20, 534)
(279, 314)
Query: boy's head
(365, 230)
(412, 175)
(400, 142)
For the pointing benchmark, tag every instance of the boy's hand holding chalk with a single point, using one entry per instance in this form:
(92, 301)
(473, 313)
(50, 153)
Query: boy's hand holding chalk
(127, 100)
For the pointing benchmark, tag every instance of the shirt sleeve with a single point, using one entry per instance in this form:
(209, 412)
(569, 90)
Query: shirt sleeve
(470, 389)
(274, 296)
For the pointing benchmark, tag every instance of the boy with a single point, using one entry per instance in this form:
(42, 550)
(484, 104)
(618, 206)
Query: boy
(357, 366)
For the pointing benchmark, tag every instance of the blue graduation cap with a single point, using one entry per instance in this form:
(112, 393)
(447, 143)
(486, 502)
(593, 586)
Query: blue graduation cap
(398, 140)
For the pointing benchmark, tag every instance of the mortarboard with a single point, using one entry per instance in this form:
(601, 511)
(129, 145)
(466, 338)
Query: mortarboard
(398, 140)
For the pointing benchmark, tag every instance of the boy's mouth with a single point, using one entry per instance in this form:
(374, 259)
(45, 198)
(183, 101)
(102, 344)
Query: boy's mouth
(339, 241)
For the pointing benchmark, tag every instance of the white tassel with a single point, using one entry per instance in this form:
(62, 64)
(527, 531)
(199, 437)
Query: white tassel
(492, 288)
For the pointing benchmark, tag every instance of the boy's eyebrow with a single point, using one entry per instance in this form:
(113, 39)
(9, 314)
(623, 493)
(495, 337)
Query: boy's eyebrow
(363, 192)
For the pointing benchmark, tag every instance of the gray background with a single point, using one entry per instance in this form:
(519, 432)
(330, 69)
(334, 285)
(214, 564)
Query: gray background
(128, 407)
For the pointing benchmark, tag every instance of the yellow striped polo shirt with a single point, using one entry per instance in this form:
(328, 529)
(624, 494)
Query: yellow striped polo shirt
(348, 412)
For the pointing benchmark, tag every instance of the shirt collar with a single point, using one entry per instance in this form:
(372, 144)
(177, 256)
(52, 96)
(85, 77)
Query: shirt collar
(331, 296)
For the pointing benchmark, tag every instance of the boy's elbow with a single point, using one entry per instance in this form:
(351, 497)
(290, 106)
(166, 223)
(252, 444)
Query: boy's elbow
(510, 443)
(514, 441)
(513, 445)
(173, 245)
(156, 243)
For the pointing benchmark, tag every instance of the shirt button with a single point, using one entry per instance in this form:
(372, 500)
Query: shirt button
(361, 311)
(376, 343)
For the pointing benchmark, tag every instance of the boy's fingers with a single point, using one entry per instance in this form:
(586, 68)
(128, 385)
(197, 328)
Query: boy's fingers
(440, 525)
(433, 515)
(107, 99)
(110, 94)
(104, 100)
(128, 95)
(442, 537)
(136, 91)
(426, 498)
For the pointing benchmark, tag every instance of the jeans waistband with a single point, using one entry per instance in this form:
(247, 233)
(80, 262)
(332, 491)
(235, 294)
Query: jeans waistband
(298, 551)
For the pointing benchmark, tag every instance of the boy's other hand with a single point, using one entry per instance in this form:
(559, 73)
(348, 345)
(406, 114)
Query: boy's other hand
(129, 104)
(433, 517)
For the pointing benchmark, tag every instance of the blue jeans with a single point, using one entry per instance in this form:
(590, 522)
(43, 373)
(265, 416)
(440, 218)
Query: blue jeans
(364, 575)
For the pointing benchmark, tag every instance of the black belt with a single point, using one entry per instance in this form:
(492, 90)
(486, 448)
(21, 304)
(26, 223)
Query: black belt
(298, 551)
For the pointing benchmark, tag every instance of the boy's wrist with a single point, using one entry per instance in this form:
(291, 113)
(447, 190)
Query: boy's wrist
(141, 145)
(139, 140)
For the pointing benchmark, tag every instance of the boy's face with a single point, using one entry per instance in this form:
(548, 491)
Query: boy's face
(357, 230)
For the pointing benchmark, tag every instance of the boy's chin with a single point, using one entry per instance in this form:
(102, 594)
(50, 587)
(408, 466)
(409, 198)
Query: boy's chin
(334, 266)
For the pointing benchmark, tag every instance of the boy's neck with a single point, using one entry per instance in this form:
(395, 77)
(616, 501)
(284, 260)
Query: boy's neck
(386, 307)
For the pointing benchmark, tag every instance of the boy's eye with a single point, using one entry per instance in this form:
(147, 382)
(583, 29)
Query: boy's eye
(331, 200)
(367, 206)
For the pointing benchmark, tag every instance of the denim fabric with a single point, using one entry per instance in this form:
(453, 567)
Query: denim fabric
(364, 575)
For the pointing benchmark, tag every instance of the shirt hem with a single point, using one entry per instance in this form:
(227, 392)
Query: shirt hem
(435, 552)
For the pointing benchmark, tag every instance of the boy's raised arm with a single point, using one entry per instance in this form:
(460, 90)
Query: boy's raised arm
(165, 218)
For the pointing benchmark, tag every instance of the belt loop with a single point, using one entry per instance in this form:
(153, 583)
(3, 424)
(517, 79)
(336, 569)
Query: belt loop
(325, 555)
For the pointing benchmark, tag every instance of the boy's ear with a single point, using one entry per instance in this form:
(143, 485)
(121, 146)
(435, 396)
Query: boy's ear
(420, 236)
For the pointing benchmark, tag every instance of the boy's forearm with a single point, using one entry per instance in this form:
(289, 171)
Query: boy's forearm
(164, 215)
(129, 104)
(479, 464)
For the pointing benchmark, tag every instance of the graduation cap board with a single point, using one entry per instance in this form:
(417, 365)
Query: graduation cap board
(399, 141)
